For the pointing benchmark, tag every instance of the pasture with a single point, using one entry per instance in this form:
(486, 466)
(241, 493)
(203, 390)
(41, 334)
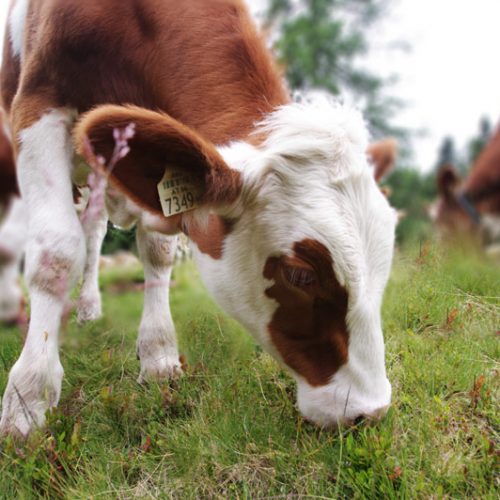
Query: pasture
(229, 428)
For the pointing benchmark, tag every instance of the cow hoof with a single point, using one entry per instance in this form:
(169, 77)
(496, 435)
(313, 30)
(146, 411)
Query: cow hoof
(160, 368)
(29, 394)
(88, 309)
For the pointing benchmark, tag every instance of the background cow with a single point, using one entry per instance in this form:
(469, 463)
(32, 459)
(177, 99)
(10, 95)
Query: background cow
(471, 207)
(291, 234)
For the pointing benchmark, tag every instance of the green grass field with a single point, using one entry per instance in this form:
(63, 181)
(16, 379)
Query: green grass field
(229, 427)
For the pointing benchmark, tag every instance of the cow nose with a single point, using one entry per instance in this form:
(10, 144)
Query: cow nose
(373, 416)
(338, 404)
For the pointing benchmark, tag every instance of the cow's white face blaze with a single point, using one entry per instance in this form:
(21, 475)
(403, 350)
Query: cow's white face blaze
(306, 261)
(301, 253)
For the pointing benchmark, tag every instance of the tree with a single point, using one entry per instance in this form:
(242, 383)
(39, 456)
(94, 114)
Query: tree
(412, 193)
(118, 239)
(477, 144)
(318, 43)
(447, 153)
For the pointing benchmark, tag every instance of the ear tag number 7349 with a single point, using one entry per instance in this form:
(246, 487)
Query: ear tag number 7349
(179, 191)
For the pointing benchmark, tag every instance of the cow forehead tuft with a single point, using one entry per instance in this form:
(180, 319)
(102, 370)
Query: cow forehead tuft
(318, 130)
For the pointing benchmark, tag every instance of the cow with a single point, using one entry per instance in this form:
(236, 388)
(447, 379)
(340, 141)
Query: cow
(470, 208)
(288, 227)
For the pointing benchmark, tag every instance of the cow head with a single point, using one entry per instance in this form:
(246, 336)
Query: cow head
(293, 238)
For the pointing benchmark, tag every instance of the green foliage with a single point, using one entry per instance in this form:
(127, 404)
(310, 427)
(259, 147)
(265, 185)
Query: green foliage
(118, 239)
(447, 154)
(463, 162)
(229, 428)
(319, 42)
(477, 144)
(412, 192)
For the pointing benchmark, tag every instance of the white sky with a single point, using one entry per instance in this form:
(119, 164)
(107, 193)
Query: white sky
(451, 76)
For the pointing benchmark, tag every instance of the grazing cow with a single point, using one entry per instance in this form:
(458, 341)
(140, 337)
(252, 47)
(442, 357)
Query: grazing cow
(471, 207)
(289, 229)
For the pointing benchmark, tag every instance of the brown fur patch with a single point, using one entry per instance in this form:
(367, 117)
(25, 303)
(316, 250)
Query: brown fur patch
(201, 62)
(8, 182)
(52, 275)
(309, 326)
(210, 238)
(483, 183)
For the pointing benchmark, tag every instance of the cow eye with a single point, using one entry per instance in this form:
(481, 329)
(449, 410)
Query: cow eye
(299, 276)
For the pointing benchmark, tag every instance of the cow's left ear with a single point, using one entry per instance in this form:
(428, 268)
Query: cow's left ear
(159, 142)
(382, 155)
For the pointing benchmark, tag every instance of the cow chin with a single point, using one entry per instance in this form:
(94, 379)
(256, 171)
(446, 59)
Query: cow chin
(341, 403)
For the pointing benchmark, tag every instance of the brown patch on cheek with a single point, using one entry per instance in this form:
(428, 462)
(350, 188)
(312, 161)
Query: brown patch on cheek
(210, 238)
(309, 326)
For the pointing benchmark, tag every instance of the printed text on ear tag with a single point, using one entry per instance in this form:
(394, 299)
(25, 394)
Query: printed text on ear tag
(179, 191)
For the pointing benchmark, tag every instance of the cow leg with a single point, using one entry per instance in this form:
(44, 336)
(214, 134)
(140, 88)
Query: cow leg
(89, 302)
(55, 256)
(157, 343)
(13, 234)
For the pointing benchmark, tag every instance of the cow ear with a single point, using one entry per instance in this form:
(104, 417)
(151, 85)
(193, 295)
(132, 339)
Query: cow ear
(447, 180)
(158, 142)
(383, 155)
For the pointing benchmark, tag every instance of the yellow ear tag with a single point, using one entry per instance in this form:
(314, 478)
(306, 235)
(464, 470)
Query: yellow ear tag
(179, 191)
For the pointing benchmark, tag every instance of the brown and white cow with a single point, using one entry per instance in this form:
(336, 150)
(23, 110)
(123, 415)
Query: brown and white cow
(293, 237)
(471, 207)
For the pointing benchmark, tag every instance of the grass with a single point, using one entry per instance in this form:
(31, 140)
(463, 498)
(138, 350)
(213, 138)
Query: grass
(229, 428)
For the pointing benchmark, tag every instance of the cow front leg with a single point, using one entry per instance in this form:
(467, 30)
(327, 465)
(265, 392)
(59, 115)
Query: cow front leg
(95, 223)
(157, 343)
(55, 255)
(13, 234)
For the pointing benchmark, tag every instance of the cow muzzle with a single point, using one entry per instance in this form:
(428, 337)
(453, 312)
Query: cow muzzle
(338, 403)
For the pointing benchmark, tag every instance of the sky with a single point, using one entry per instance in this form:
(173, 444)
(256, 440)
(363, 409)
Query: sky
(449, 79)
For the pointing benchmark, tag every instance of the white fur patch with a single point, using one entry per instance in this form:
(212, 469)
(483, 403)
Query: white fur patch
(491, 226)
(316, 129)
(17, 26)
